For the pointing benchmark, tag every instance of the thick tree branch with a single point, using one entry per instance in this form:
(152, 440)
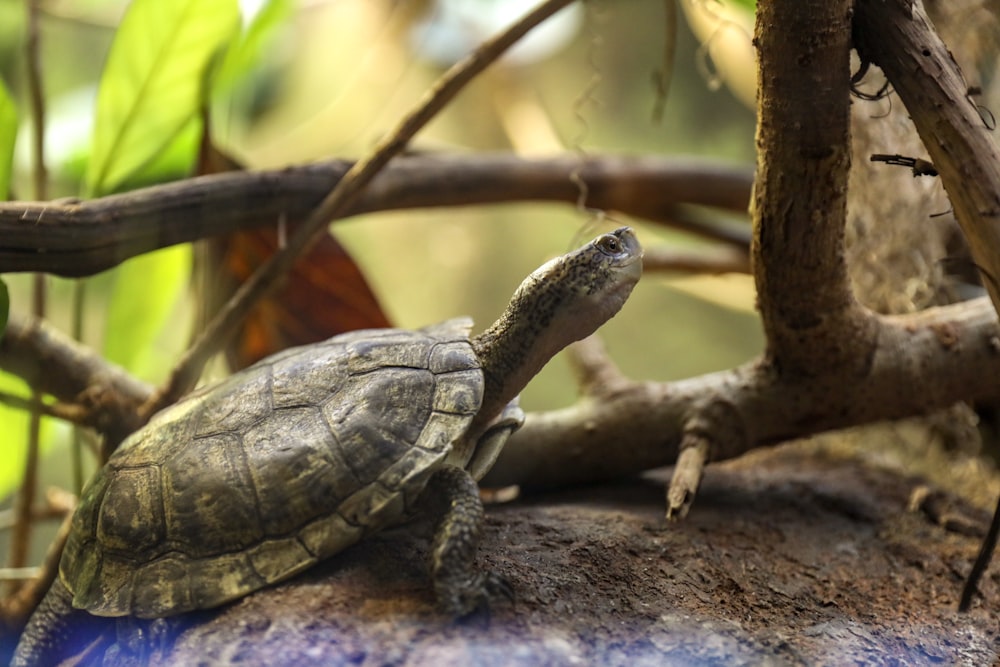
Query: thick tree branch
(641, 426)
(898, 37)
(78, 238)
(800, 198)
(814, 326)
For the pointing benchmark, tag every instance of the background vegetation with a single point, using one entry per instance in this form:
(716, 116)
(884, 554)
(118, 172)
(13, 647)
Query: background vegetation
(306, 81)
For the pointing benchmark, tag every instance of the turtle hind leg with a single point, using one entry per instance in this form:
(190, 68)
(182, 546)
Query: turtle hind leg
(56, 630)
(460, 586)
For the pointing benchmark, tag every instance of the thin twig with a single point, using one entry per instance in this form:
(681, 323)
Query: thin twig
(663, 77)
(21, 535)
(221, 327)
(982, 561)
(36, 96)
(65, 411)
(14, 610)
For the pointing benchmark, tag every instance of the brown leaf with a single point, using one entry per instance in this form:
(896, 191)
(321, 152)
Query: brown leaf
(324, 294)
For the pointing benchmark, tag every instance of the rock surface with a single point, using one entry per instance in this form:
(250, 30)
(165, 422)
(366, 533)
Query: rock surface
(789, 557)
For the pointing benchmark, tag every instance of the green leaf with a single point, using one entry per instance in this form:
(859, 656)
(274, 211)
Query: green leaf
(8, 134)
(244, 54)
(4, 306)
(154, 82)
(143, 300)
(14, 425)
(175, 161)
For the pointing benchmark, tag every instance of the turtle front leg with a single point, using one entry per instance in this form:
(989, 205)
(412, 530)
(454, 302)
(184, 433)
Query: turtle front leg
(56, 630)
(460, 586)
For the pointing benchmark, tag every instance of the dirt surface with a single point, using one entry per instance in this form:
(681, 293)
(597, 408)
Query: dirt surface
(788, 557)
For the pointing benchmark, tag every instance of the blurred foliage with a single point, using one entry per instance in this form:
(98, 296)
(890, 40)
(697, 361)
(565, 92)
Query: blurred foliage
(15, 422)
(298, 82)
(8, 132)
(4, 306)
(153, 83)
(142, 304)
(748, 5)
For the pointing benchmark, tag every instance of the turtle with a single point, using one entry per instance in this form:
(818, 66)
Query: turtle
(249, 482)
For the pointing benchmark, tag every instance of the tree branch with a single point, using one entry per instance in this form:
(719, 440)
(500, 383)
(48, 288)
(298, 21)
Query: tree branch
(800, 198)
(73, 373)
(712, 260)
(814, 326)
(78, 238)
(898, 37)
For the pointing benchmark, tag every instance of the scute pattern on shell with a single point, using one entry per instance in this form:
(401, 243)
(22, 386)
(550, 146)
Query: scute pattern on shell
(281, 465)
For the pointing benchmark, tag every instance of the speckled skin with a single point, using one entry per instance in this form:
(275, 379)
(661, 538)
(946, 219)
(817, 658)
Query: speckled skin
(296, 458)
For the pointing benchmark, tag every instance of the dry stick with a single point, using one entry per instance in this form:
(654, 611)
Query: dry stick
(69, 412)
(16, 609)
(898, 37)
(221, 327)
(596, 374)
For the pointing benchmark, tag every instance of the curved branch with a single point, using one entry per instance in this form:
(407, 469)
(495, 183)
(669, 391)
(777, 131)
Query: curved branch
(79, 238)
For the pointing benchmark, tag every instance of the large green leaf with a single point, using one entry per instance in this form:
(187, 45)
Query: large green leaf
(154, 82)
(8, 133)
(175, 161)
(144, 298)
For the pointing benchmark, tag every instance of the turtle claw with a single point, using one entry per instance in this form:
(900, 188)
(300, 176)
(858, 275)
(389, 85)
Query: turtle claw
(497, 585)
(462, 599)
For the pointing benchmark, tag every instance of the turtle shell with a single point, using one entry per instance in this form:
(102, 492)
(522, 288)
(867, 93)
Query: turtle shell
(281, 465)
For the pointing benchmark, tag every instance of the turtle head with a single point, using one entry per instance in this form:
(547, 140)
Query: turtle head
(566, 299)
(571, 296)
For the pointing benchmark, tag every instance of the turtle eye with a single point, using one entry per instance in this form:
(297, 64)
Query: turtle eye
(609, 244)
